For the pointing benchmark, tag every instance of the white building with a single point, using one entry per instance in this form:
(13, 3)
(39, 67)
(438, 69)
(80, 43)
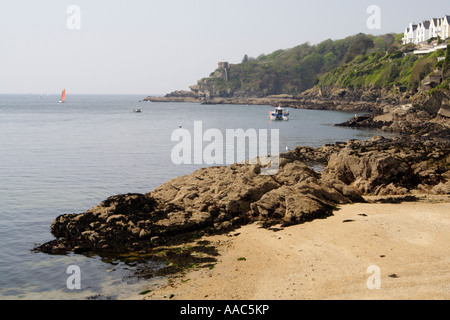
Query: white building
(410, 34)
(435, 27)
(445, 26)
(425, 30)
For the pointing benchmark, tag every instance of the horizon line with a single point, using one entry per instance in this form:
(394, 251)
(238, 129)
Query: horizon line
(58, 93)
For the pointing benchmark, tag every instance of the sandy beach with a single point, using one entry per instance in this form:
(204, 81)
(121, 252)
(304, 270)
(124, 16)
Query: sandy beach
(333, 258)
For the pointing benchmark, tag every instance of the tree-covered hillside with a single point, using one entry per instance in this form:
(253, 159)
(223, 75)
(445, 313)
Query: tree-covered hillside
(396, 67)
(297, 69)
(360, 61)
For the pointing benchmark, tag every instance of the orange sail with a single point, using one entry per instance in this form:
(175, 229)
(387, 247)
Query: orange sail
(63, 96)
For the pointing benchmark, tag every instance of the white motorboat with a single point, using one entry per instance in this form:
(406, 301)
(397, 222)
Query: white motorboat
(279, 114)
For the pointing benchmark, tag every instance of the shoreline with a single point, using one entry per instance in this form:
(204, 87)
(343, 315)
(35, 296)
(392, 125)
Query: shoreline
(423, 114)
(217, 200)
(288, 101)
(328, 258)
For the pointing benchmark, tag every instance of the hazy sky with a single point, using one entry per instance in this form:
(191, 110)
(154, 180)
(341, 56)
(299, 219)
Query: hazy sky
(158, 46)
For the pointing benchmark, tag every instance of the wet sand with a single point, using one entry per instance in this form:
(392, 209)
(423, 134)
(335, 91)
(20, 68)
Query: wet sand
(332, 258)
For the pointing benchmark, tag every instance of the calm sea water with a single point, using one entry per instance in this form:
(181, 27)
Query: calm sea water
(66, 158)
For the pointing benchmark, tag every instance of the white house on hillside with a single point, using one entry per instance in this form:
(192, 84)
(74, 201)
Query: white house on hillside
(425, 30)
(435, 27)
(410, 34)
(445, 27)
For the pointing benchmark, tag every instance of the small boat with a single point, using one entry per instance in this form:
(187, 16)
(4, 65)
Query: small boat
(63, 96)
(279, 114)
(137, 110)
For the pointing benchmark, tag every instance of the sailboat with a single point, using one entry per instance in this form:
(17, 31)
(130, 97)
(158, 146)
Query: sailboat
(63, 96)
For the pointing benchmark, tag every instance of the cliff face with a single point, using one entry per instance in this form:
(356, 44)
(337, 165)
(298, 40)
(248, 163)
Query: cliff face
(205, 90)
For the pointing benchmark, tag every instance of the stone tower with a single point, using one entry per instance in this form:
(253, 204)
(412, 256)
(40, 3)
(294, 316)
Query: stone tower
(224, 68)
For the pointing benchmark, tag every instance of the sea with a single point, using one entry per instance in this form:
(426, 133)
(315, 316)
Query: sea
(58, 158)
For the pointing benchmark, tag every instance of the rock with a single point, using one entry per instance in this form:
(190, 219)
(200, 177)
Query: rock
(289, 207)
(427, 114)
(444, 111)
(208, 200)
(384, 166)
(143, 234)
(218, 199)
(441, 188)
(431, 103)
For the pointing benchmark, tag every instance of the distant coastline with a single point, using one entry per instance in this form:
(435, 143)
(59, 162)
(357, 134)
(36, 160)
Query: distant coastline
(304, 101)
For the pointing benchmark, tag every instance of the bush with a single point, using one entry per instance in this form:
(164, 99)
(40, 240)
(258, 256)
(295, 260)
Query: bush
(446, 64)
(421, 69)
(439, 64)
(396, 55)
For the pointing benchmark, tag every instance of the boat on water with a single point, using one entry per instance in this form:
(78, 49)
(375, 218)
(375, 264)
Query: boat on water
(137, 110)
(63, 96)
(279, 114)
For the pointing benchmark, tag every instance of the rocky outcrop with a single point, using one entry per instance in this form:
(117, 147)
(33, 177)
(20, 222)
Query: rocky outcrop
(218, 199)
(347, 99)
(444, 111)
(214, 199)
(392, 167)
(425, 116)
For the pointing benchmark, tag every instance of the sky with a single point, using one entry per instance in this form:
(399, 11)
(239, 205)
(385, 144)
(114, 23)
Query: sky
(153, 47)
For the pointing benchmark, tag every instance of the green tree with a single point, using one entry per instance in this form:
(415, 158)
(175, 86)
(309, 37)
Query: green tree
(380, 44)
(325, 47)
(359, 46)
(330, 60)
